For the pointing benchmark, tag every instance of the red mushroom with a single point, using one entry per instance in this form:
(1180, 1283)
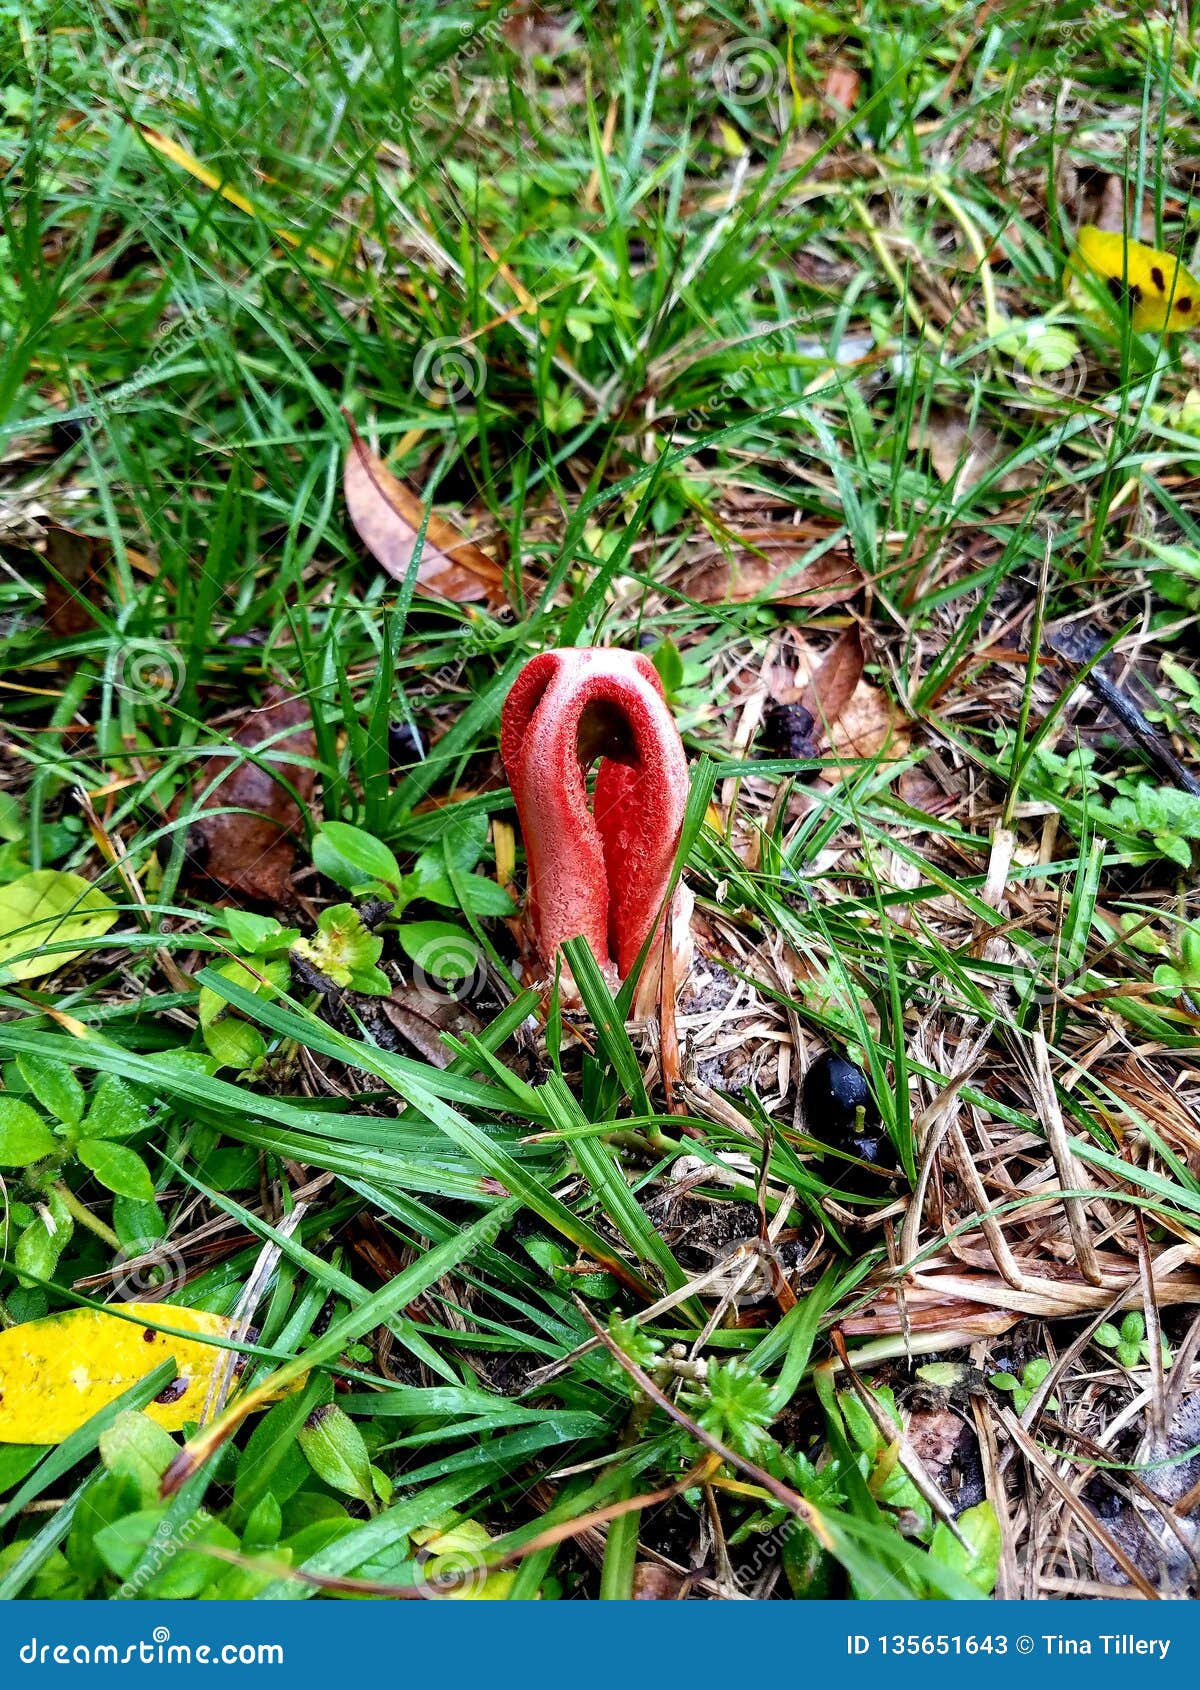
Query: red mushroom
(600, 871)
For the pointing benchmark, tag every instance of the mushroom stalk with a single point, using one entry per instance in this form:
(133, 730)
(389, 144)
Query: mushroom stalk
(598, 869)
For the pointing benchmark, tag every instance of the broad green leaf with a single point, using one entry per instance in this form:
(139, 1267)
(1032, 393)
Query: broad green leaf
(134, 1446)
(979, 1563)
(15, 1461)
(334, 1448)
(464, 839)
(24, 1136)
(234, 1042)
(43, 909)
(118, 1168)
(11, 825)
(255, 933)
(36, 1252)
(483, 897)
(183, 1572)
(271, 1463)
(440, 949)
(666, 659)
(137, 1224)
(353, 857)
(54, 1086)
(116, 1111)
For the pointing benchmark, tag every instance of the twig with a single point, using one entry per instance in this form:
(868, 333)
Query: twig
(1079, 648)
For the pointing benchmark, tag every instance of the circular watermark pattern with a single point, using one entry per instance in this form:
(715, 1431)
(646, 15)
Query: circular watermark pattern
(151, 670)
(447, 371)
(460, 1572)
(449, 967)
(146, 1271)
(1053, 364)
(151, 66)
(749, 70)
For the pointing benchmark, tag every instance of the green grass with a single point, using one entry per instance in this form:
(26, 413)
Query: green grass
(672, 292)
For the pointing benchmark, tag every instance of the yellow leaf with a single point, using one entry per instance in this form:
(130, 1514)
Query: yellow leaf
(1162, 293)
(731, 142)
(505, 842)
(57, 1372)
(456, 1569)
(188, 161)
(44, 908)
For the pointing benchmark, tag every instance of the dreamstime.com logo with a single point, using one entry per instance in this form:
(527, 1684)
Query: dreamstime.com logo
(449, 967)
(447, 371)
(460, 1573)
(156, 1651)
(148, 1269)
(162, 1548)
(150, 66)
(749, 69)
(149, 671)
(439, 83)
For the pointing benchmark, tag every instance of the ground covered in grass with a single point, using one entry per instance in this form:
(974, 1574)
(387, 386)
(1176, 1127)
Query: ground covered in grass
(736, 335)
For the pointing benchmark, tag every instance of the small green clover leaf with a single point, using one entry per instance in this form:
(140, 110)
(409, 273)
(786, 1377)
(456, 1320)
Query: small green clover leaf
(1183, 976)
(1128, 1342)
(1033, 1375)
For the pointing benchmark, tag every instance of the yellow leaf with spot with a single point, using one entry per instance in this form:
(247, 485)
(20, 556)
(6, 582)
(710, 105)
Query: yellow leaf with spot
(1159, 291)
(57, 1372)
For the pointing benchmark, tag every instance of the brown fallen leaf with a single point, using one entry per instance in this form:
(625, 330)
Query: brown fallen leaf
(965, 454)
(387, 516)
(422, 1017)
(947, 1446)
(251, 854)
(833, 684)
(535, 31)
(841, 84)
(852, 717)
(652, 1583)
(74, 580)
(765, 564)
(921, 792)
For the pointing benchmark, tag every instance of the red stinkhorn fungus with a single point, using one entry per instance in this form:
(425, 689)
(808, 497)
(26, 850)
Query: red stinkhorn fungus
(602, 871)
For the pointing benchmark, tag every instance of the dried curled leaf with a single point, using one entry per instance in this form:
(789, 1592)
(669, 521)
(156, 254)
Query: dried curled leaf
(57, 1372)
(387, 516)
(964, 453)
(852, 717)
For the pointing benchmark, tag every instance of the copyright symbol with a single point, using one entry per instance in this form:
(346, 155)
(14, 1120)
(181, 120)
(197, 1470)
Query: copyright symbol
(1024, 1645)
